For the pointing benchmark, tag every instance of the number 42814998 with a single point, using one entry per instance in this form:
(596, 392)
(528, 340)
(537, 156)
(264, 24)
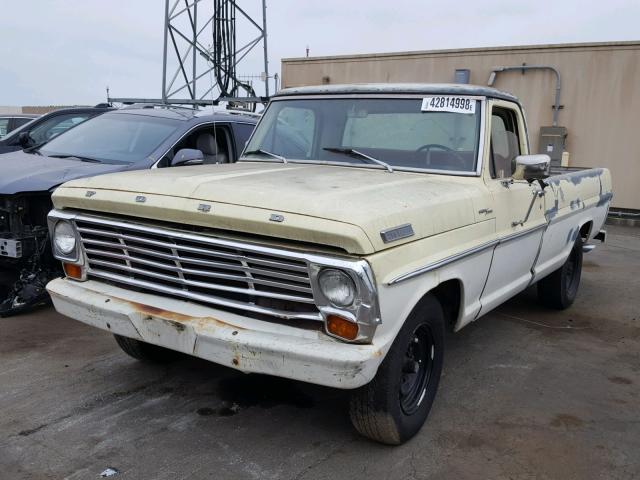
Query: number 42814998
(449, 104)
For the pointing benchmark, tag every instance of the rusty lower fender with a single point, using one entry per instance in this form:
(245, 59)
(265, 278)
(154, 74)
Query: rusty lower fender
(242, 343)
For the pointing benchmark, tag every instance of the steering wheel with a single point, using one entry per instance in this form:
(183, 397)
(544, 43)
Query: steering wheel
(427, 149)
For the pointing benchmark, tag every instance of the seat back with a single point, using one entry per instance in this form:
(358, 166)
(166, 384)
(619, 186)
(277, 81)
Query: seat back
(208, 145)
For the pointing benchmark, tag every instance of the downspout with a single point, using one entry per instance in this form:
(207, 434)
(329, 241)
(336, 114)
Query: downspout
(522, 68)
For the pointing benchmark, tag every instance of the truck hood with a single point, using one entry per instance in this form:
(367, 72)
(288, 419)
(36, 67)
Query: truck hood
(28, 172)
(333, 206)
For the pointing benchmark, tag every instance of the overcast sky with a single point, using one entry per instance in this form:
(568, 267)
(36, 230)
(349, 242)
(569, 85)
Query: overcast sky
(68, 51)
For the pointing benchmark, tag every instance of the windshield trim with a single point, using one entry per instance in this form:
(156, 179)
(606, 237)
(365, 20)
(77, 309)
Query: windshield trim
(462, 173)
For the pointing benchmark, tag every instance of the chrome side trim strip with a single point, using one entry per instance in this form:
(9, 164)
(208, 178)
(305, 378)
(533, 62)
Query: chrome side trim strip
(515, 236)
(445, 261)
(459, 256)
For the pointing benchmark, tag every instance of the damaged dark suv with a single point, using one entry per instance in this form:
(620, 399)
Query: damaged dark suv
(132, 138)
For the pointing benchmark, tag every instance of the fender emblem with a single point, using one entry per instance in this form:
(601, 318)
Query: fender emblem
(141, 199)
(89, 194)
(276, 218)
(204, 208)
(397, 233)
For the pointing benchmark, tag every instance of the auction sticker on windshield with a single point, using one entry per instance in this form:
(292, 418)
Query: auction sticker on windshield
(449, 104)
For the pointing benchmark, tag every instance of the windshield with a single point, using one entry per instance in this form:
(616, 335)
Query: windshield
(409, 133)
(112, 138)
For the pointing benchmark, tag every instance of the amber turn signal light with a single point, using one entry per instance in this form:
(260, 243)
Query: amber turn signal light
(73, 271)
(341, 327)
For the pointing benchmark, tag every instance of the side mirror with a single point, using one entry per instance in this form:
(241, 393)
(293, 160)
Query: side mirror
(532, 167)
(187, 156)
(24, 140)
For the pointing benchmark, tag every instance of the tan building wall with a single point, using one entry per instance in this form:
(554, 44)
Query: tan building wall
(600, 96)
(36, 110)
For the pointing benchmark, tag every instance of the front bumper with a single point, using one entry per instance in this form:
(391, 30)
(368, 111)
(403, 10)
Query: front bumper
(242, 343)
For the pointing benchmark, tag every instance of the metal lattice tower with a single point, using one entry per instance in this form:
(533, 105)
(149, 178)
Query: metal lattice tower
(204, 43)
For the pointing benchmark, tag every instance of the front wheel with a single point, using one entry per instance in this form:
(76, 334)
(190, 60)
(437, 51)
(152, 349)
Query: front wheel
(395, 404)
(560, 288)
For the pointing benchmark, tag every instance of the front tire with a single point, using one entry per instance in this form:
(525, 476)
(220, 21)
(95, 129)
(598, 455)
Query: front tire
(145, 352)
(395, 404)
(559, 289)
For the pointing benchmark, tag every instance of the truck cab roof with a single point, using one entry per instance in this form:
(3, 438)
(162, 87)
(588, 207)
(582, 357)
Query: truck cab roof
(399, 88)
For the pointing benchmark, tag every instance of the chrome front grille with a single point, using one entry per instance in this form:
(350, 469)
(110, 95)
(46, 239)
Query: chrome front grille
(227, 274)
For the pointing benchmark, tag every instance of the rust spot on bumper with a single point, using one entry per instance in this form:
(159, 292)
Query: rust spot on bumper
(177, 319)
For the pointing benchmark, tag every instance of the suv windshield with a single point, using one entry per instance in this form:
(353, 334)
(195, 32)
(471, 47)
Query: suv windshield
(404, 133)
(112, 138)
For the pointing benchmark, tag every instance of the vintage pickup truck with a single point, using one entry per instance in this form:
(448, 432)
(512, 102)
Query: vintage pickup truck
(360, 223)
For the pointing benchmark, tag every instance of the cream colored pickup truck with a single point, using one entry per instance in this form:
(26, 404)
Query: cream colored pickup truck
(360, 223)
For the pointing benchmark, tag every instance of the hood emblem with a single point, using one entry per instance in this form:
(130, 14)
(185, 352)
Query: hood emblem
(397, 233)
(276, 218)
(141, 199)
(89, 194)
(204, 208)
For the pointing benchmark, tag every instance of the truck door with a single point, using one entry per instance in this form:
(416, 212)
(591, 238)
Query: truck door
(518, 208)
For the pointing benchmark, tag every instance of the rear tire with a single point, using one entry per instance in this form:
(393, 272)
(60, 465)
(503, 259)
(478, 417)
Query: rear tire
(145, 352)
(560, 289)
(395, 404)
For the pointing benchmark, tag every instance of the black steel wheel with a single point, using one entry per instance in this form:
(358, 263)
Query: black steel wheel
(395, 404)
(417, 369)
(560, 288)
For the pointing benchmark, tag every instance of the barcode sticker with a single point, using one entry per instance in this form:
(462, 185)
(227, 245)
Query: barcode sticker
(449, 104)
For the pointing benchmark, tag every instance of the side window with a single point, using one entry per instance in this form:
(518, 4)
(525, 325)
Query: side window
(55, 126)
(4, 126)
(213, 142)
(505, 142)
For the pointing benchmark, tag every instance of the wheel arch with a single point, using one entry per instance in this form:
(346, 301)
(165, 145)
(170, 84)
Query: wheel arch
(586, 229)
(449, 293)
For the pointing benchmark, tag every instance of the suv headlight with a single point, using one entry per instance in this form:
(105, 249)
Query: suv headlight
(337, 287)
(64, 238)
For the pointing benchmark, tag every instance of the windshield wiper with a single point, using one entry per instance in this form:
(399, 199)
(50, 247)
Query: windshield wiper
(357, 154)
(82, 159)
(260, 151)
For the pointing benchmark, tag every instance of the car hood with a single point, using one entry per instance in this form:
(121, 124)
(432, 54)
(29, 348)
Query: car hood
(27, 172)
(343, 207)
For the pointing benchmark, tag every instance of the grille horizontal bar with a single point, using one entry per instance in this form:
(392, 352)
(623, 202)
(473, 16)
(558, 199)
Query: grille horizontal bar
(197, 267)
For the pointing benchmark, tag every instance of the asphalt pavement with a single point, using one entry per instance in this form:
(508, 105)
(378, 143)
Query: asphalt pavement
(527, 393)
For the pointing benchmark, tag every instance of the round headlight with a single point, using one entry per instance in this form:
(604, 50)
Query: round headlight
(337, 286)
(64, 238)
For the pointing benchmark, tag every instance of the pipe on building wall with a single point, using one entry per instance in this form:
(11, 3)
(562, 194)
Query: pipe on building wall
(522, 68)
